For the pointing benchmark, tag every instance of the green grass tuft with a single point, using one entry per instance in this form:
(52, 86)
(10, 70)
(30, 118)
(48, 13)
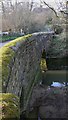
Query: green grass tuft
(9, 105)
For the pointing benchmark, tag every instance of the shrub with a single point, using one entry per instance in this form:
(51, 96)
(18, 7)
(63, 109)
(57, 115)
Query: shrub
(57, 29)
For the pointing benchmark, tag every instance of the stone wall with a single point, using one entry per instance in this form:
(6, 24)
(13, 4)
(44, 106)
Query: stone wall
(24, 65)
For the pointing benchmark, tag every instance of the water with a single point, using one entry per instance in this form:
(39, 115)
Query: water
(57, 78)
(57, 84)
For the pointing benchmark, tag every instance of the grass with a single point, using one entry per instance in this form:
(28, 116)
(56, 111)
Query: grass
(9, 105)
(6, 55)
(7, 38)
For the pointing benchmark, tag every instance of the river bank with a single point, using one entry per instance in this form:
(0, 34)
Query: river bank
(49, 100)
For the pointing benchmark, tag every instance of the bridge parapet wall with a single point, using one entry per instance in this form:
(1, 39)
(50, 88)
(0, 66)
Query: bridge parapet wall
(23, 65)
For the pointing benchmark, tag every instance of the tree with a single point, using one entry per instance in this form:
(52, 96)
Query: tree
(21, 15)
(51, 8)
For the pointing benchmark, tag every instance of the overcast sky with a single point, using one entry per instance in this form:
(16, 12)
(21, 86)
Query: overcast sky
(53, 3)
(48, 1)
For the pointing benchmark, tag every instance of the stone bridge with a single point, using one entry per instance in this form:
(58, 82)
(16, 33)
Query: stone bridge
(21, 64)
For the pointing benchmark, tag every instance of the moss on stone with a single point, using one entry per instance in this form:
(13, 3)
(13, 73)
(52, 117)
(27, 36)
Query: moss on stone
(10, 106)
(43, 65)
(6, 55)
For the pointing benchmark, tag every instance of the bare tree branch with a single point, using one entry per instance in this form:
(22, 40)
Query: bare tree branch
(64, 12)
(31, 5)
(51, 8)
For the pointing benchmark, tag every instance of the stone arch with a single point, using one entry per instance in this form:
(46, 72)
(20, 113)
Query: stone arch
(21, 98)
(43, 54)
(25, 71)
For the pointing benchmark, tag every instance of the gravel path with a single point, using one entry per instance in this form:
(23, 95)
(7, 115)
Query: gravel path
(2, 44)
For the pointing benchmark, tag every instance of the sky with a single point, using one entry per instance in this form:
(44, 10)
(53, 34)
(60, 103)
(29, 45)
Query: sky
(52, 3)
(48, 1)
